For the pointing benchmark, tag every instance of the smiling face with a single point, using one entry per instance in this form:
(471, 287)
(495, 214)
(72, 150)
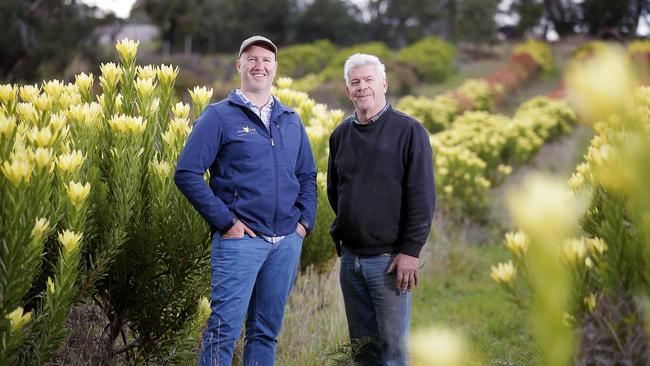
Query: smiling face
(257, 67)
(367, 91)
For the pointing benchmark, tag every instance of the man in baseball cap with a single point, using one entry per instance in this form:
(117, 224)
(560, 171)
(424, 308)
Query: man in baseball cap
(260, 204)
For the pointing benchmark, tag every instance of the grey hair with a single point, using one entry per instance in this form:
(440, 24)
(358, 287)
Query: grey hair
(362, 59)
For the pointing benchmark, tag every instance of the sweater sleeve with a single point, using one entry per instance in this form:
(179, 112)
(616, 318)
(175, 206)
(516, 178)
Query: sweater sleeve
(420, 192)
(198, 155)
(332, 177)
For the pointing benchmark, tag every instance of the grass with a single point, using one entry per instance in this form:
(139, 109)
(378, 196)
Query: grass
(458, 293)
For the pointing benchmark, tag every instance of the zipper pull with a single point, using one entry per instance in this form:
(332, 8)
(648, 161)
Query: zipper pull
(272, 143)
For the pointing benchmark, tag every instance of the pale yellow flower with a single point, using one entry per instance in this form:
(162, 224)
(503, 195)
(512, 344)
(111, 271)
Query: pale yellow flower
(77, 192)
(504, 169)
(17, 171)
(111, 74)
(41, 157)
(517, 242)
(284, 82)
(70, 162)
(181, 110)
(576, 181)
(28, 93)
(8, 93)
(127, 49)
(84, 82)
(69, 240)
(167, 74)
(201, 95)
(7, 125)
(18, 318)
(50, 286)
(602, 85)
(589, 263)
(41, 137)
(438, 347)
(204, 307)
(27, 113)
(542, 210)
(53, 88)
(574, 250)
(448, 189)
(57, 122)
(590, 301)
(504, 273)
(123, 123)
(146, 72)
(596, 245)
(40, 227)
(144, 87)
(161, 168)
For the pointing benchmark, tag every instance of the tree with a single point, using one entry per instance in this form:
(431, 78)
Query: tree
(620, 17)
(335, 20)
(474, 21)
(40, 38)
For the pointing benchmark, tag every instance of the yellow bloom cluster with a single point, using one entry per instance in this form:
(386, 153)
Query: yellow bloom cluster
(69, 240)
(517, 243)
(504, 273)
(18, 318)
(77, 192)
(127, 124)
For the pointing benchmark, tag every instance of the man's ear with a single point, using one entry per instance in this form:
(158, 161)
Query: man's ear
(385, 85)
(237, 64)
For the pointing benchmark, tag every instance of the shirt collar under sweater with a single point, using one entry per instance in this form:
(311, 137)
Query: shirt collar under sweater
(355, 119)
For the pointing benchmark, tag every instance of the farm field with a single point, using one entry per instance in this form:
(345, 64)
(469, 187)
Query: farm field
(540, 229)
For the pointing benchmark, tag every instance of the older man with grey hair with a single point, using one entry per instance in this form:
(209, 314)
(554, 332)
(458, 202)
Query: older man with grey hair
(380, 185)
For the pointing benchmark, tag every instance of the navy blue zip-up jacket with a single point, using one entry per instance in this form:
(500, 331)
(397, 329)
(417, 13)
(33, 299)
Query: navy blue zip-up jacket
(266, 179)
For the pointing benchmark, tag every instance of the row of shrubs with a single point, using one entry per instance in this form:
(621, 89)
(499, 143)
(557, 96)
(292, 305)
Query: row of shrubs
(580, 263)
(526, 61)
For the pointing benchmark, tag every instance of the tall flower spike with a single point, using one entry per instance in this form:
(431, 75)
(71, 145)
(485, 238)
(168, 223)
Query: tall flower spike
(127, 49)
(69, 240)
(77, 193)
(17, 171)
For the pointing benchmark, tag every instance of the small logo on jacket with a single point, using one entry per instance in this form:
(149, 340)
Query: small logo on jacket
(245, 131)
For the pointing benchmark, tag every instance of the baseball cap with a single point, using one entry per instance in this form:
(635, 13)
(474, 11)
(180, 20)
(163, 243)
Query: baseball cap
(257, 40)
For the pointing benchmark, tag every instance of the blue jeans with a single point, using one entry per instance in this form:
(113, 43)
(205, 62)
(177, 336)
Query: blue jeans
(250, 277)
(375, 309)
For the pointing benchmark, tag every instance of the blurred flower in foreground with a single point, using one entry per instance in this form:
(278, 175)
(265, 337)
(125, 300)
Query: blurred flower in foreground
(543, 209)
(438, 347)
(601, 85)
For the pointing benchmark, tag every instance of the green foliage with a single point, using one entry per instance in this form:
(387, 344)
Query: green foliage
(435, 114)
(298, 60)
(431, 58)
(540, 51)
(99, 175)
(334, 70)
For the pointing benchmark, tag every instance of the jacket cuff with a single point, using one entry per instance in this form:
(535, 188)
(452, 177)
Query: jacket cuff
(229, 225)
(305, 224)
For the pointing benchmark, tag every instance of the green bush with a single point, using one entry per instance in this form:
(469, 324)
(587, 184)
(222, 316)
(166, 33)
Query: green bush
(299, 60)
(334, 70)
(431, 58)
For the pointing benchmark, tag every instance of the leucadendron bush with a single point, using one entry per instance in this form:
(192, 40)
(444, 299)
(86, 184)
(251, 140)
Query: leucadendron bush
(593, 275)
(90, 214)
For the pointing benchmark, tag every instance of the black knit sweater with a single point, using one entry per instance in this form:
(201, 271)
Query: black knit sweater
(380, 185)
